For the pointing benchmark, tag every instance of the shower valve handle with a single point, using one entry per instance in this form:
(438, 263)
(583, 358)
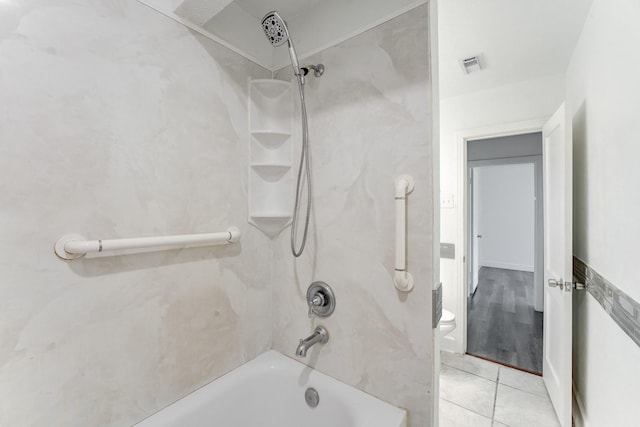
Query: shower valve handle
(320, 299)
(317, 301)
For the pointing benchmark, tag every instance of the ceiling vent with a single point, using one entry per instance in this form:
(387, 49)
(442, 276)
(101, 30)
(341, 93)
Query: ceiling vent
(471, 64)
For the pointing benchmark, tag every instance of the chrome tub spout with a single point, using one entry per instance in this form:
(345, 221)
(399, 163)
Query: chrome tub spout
(320, 335)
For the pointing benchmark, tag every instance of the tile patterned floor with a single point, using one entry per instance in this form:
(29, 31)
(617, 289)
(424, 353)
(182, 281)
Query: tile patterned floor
(475, 392)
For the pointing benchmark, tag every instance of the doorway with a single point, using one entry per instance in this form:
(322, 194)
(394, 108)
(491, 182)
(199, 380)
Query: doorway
(504, 250)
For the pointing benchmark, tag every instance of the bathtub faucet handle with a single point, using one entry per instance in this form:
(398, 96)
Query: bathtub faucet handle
(317, 301)
(320, 299)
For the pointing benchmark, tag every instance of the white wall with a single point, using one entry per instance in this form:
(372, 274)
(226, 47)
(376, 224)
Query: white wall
(370, 121)
(513, 103)
(506, 197)
(602, 88)
(116, 121)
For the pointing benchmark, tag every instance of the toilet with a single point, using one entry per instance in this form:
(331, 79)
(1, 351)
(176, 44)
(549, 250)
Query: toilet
(447, 322)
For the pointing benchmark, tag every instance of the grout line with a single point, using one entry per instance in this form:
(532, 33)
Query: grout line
(528, 392)
(495, 398)
(467, 372)
(465, 408)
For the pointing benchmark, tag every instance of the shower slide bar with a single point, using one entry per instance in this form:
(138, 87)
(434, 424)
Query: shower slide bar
(403, 280)
(73, 246)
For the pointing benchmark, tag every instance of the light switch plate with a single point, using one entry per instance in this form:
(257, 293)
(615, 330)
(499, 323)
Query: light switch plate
(446, 201)
(447, 251)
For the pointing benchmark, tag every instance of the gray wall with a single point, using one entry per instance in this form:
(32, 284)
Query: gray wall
(529, 144)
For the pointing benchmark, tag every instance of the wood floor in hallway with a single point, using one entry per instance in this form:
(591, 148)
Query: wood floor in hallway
(501, 322)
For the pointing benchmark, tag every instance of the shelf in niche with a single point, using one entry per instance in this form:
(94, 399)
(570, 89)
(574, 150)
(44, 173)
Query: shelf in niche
(271, 172)
(271, 154)
(270, 138)
(271, 88)
(271, 215)
(271, 165)
(271, 223)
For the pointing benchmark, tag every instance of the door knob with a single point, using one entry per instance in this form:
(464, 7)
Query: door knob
(556, 283)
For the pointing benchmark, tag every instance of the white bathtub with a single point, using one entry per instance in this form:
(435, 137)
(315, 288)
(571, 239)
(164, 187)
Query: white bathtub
(269, 392)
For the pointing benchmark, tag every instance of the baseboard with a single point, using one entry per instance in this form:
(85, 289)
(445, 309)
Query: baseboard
(578, 413)
(448, 343)
(507, 266)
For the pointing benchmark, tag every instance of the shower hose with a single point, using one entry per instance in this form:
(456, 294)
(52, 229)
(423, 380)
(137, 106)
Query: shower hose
(305, 165)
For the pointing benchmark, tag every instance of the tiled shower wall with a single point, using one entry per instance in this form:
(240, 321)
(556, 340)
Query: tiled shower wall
(118, 122)
(369, 122)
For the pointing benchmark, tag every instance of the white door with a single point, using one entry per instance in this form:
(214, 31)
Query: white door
(557, 193)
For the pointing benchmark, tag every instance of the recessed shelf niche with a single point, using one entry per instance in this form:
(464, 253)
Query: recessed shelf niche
(271, 154)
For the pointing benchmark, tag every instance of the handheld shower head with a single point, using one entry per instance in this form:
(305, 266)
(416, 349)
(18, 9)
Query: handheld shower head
(277, 32)
(275, 28)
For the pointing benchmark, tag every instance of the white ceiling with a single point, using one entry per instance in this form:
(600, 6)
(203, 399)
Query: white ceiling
(313, 24)
(518, 40)
(288, 8)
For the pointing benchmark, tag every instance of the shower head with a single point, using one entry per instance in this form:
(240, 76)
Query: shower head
(275, 28)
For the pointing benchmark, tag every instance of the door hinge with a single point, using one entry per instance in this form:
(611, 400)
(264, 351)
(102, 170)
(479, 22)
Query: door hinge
(436, 307)
(579, 286)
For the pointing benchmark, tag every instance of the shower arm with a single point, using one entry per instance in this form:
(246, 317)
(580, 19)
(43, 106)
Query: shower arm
(318, 70)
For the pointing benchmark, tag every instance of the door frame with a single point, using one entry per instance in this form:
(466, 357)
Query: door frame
(462, 137)
(471, 254)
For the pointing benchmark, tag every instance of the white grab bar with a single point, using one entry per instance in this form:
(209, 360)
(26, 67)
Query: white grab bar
(402, 279)
(73, 246)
